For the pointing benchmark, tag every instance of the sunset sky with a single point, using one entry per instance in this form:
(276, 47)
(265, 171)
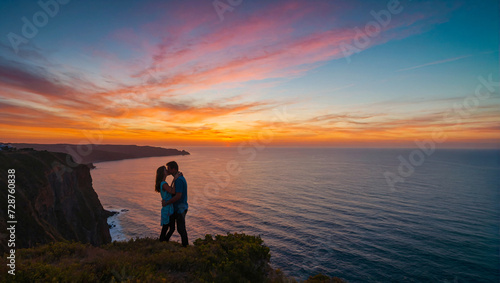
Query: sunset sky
(283, 73)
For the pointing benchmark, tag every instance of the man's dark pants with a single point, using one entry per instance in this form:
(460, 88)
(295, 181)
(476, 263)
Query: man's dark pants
(180, 218)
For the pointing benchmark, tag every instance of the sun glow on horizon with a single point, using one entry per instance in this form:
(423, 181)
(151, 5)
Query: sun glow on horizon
(276, 73)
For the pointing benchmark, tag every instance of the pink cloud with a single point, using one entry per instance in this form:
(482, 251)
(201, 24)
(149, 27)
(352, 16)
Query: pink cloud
(269, 43)
(189, 50)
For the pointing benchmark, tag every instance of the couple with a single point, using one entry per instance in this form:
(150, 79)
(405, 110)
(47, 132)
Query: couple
(174, 201)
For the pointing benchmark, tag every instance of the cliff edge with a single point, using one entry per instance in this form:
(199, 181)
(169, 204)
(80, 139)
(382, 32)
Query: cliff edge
(53, 202)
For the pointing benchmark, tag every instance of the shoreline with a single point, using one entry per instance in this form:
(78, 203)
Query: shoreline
(95, 153)
(102, 161)
(114, 224)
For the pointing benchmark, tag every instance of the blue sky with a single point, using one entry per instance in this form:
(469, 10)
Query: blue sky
(183, 72)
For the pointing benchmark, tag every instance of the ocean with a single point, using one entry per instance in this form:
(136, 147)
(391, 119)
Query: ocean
(330, 210)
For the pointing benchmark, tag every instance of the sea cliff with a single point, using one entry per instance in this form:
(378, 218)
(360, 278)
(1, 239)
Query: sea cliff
(53, 201)
(62, 235)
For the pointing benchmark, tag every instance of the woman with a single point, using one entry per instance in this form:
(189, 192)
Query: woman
(166, 192)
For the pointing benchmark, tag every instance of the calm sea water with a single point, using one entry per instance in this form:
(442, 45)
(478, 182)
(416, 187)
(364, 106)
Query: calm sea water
(330, 211)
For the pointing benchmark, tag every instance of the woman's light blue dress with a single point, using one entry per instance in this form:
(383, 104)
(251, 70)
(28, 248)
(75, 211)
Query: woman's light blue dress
(167, 210)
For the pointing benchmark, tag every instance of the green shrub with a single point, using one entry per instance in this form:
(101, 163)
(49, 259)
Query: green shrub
(227, 258)
(232, 258)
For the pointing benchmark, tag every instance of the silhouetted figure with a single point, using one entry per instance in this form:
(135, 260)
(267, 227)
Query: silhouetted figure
(179, 200)
(166, 191)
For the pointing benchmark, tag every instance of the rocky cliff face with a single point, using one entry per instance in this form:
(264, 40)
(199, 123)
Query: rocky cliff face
(54, 201)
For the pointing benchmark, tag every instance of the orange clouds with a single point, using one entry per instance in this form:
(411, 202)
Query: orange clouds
(189, 78)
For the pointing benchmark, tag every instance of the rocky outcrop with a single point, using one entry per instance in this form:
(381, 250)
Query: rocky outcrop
(91, 153)
(53, 201)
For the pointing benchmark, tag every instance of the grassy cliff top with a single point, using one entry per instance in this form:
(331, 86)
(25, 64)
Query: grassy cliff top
(231, 258)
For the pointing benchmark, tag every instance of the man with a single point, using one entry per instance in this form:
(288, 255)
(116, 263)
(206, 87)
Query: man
(180, 204)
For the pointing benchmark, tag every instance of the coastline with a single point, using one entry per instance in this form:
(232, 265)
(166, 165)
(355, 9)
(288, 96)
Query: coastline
(95, 153)
(114, 224)
(65, 203)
